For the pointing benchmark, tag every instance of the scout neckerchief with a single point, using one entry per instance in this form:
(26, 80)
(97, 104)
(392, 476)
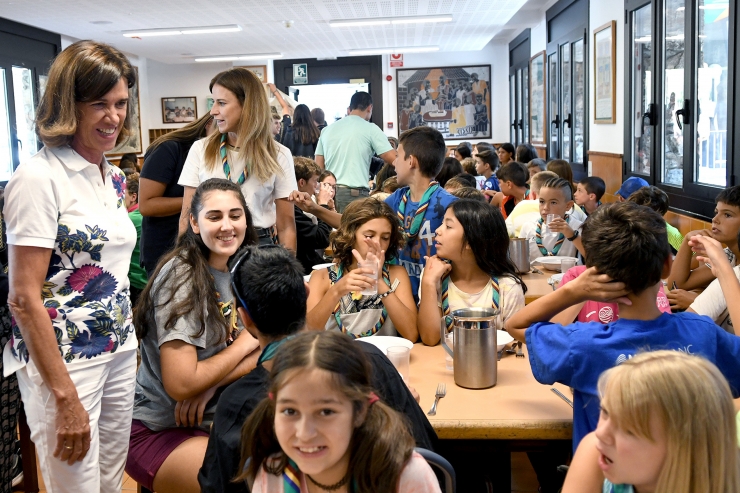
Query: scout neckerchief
(227, 168)
(269, 352)
(349, 303)
(292, 481)
(446, 302)
(418, 219)
(558, 243)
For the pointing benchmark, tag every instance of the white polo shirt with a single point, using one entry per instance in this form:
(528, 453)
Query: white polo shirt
(58, 200)
(260, 196)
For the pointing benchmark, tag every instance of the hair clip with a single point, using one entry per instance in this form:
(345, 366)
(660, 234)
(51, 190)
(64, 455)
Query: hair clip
(271, 396)
(372, 399)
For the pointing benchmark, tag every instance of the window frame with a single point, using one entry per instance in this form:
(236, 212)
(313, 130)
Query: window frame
(691, 198)
(519, 55)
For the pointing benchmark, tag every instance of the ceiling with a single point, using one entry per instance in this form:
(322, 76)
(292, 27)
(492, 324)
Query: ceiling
(475, 23)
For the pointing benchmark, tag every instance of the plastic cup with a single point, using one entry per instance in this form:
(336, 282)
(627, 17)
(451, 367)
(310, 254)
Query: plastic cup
(399, 356)
(551, 218)
(450, 340)
(373, 265)
(567, 263)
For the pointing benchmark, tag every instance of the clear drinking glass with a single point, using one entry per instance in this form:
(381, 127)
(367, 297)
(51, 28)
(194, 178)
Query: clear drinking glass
(399, 356)
(450, 340)
(373, 265)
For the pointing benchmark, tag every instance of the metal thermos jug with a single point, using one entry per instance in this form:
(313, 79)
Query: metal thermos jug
(474, 355)
(519, 254)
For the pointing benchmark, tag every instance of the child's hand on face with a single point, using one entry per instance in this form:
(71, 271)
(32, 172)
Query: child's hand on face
(594, 286)
(325, 194)
(699, 232)
(435, 269)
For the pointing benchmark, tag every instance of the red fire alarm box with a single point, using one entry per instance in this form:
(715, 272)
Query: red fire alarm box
(390, 124)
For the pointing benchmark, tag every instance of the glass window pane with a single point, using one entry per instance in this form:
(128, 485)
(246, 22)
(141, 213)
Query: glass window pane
(6, 154)
(673, 84)
(642, 62)
(24, 112)
(565, 98)
(525, 105)
(553, 113)
(512, 109)
(579, 100)
(710, 115)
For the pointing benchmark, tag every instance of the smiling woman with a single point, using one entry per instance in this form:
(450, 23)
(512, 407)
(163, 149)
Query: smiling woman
(73, 346)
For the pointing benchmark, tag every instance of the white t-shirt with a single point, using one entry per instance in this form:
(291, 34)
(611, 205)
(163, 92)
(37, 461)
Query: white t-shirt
(260, 196)
(567, 249)
(510, 296)
(526, 211)
(712, 303)
(59, 201)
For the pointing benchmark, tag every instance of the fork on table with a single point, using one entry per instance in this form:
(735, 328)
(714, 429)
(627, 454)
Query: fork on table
(441, 392)
(519, 352)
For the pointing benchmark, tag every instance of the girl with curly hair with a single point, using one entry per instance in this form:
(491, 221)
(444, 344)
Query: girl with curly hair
(369, 231)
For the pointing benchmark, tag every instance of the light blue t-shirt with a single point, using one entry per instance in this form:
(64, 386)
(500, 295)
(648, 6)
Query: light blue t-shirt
(348, 145)
(577, 354)
(411, 257)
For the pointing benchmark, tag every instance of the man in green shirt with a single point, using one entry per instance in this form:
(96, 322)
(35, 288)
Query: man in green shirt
(346, 146)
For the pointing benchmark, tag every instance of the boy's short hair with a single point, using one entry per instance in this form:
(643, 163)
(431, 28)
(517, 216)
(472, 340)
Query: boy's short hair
(627, 242)
(132, 182)
(270, 283)
(652, 197)
(305, 168)
(594, 185)
(537, 163)
(428, 146)
(514, 172)
(562, 184)
(729, 196)
(469, 193)
(360, 101)
(463, 180)
(539, 180)
(468, 165)
(489, 157)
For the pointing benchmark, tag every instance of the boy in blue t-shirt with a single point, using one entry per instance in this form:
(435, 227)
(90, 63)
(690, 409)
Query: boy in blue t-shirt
(628, 254)
(486, 164)
(420, 204)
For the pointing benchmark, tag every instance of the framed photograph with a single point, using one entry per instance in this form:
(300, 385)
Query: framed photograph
(260, 71)
(454, 100)
(605, 74)
(179, 110)
(133, 143)
(538, 98)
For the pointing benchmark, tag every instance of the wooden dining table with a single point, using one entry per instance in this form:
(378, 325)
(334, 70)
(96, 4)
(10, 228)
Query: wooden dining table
(516, 408)
(537, 285)
(479, 429)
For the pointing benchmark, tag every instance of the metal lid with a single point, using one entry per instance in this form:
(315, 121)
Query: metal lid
(474, 314)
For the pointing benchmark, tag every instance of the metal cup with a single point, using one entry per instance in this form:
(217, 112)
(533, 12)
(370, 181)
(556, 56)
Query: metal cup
(474, 356)
(519, 254)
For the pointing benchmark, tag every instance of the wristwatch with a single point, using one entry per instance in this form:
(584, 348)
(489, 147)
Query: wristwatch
(575, 235)
(395, 284)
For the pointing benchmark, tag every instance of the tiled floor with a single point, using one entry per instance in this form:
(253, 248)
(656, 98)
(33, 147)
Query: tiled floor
(523, 479)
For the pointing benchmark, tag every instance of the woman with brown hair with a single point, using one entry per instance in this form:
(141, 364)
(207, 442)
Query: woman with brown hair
(70, 242)
(301, 136)
(368, 232)
(160, 197)
(244, 151)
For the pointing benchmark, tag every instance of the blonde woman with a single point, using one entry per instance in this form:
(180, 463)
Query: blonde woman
(667, 425)
(244, 151)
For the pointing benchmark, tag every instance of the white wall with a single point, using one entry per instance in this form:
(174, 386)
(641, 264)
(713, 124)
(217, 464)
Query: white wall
(495, 54)
(180, 80)
(607, 137)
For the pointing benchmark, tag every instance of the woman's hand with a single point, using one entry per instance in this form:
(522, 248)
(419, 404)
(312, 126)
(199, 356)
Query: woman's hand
(190, 411)
(73, 430)
(435, 269)
(681, 299)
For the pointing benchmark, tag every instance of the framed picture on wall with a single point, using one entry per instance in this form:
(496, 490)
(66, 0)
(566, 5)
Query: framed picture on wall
(179, 110)
(133, 143)
(454, 100)
(605, 77)
(260, 71)
(538, 98)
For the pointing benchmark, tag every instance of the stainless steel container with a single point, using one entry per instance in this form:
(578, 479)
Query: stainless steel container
(474, 355)
(519, 254)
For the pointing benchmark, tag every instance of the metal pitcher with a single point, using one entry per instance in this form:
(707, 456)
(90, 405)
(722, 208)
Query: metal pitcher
(519, 254)
(474, 354)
